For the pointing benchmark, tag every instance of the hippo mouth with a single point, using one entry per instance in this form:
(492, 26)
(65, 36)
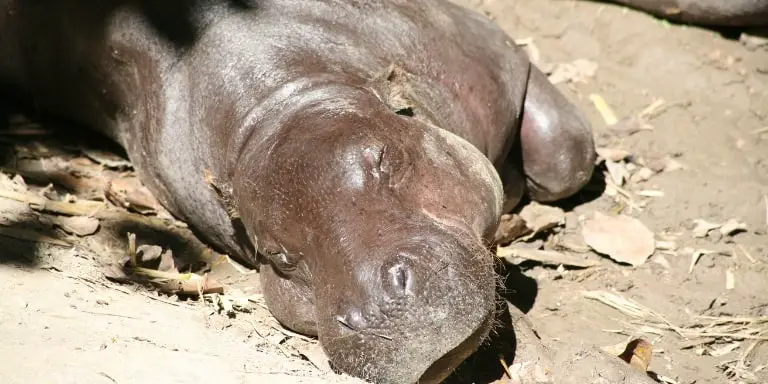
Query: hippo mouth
(444, 366)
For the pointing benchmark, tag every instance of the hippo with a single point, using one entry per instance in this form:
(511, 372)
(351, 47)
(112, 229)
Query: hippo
(715, 13)
(358, 153)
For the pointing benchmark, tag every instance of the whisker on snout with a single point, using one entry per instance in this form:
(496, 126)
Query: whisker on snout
(344, 323)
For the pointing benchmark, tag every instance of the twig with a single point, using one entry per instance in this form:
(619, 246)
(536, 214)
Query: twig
(29, 235)
(132, 249)
(609, 117)
(109, 314)
(505, 366)
(108, 377)
(744, 251)
(765, 200)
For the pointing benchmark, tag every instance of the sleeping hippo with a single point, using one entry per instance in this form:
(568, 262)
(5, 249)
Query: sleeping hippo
(360, 153)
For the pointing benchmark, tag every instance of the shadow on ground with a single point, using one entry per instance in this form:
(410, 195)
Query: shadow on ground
(26, 233)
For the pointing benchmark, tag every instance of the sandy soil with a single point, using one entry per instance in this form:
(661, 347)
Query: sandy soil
(62, 321)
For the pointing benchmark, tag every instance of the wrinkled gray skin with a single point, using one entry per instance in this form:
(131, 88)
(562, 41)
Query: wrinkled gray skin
(724, 13)
(371, 225)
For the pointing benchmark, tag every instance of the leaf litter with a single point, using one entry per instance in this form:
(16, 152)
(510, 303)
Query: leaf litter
(729, 333)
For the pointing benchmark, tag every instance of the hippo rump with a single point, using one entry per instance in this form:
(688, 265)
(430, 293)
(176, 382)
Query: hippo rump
(360, 153)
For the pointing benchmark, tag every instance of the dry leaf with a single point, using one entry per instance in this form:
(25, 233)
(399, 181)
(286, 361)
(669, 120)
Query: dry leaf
(167, 263)
(703, 227)
(77, 225)
(578, 71)
(695, 256)
(540, 218)
(638, 354)
(618, 172)
(511, 227)
(732, 226)
(544, 257)
(724, 350)
(613, 154)
(752, 42)
(642, 174)
(666, 245)
(665, 164)
(107, 159)
(130, 194)
(147, 253)
(623, 238)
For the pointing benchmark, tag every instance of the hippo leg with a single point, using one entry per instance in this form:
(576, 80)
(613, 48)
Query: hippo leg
(556, 145)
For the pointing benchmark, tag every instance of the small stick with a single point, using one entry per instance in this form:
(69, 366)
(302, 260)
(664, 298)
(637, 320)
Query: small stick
(505, 366)
(132, 249)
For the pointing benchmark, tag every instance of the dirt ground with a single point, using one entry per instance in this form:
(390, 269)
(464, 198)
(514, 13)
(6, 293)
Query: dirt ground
(62, 321)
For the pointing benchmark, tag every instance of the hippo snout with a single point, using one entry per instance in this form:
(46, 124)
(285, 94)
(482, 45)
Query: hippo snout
(420, 319)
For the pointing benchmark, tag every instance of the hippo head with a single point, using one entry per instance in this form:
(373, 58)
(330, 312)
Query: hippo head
(374, 228)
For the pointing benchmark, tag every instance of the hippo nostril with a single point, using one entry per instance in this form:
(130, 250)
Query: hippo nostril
(398, 279)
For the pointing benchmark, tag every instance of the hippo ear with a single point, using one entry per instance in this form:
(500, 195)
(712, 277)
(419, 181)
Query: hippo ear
(556, 141)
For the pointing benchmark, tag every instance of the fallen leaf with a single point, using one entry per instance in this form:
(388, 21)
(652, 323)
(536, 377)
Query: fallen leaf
(167, 263)
(128, 193)
(545, 257)
(725, 349)
(540, 217)
(613, 154)
(623, 238)
(665, 164)
(703, 227)
(107, 159)
(577, 71)
(688, 344)
(618, 172)
(752, 42)
(638, 354)
(642, 174)
(511, 227)
(77, 225)
(732, 226)
(147, 252)
(666, 245)
(695, 256)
